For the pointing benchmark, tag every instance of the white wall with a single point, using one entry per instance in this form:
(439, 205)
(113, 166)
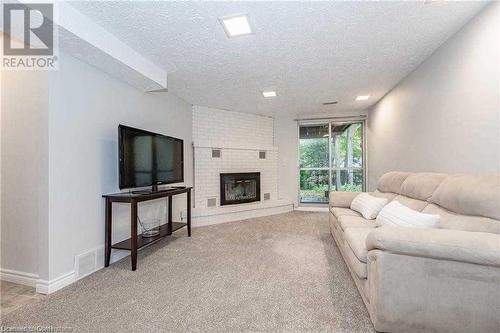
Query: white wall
(444, 117)
(24, 125)
(287, 140)
(85, 108)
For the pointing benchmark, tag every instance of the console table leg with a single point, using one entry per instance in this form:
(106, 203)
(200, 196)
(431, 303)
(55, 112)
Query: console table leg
(107, 240)
(169, 216)
(133, 223)
(189, 212)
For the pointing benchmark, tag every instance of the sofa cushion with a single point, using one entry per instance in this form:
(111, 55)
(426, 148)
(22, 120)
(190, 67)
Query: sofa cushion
(336, 231)
(338, 212)
(421, 185)
(356, 239)
(450, 220)
(359, 268)
(470, 195)
(392, 181)
(411, 203)
(346, 221)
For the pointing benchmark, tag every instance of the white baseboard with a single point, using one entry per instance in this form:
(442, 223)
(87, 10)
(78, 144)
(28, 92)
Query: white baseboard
(48, 287)
(27, 279)
(32, 280)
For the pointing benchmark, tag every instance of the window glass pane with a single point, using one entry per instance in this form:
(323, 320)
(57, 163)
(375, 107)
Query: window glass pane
(313, 142)
(347, 145)
(347, 180)
(313, 186)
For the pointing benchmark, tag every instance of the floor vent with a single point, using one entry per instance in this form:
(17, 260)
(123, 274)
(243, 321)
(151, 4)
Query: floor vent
(85, 264)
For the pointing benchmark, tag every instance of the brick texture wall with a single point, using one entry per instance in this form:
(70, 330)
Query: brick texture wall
(240, 137)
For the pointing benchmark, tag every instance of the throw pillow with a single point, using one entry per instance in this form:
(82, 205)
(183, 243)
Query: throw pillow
(368, 205)
(396, 214)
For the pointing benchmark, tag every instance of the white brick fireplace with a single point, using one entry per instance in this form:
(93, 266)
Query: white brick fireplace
(232, 142)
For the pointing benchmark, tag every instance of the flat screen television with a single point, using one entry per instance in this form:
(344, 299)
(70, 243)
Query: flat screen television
(149, 159)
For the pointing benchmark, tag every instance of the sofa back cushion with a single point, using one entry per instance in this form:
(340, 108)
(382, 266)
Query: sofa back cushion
(421, 185)
(387, 195)
(411, 203)
(451, 220)
(392, 181)
(469, 195)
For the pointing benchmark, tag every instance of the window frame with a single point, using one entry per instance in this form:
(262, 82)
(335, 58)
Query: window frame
(331, 168)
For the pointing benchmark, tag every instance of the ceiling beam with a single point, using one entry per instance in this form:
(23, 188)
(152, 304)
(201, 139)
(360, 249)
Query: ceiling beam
(82, 38)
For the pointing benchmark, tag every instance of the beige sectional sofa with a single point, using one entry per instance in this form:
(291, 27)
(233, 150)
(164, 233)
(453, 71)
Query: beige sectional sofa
(427, 280)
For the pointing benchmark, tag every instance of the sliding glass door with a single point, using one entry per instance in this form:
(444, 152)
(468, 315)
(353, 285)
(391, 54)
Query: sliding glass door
(331, 157)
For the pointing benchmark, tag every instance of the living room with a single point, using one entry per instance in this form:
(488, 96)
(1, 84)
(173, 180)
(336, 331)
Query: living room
(329, 166)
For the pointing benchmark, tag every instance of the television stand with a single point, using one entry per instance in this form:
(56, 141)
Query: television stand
(136, 242)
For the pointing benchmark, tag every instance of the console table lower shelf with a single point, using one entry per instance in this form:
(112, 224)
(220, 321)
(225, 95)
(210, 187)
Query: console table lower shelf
(145, 241)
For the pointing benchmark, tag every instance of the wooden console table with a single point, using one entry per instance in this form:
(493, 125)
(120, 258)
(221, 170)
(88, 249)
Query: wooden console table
(136, 242)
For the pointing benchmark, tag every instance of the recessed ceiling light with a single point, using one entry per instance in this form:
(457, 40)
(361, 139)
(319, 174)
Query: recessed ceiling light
(362, 97)
(269, 93)
(236, 25)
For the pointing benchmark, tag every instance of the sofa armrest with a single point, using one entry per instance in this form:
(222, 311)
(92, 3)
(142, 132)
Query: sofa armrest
(464, 246)
(342, 199)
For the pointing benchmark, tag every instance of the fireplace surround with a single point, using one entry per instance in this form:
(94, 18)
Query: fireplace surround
(236, 188)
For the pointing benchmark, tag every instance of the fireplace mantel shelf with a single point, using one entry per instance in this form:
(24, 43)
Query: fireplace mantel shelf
(228, 145)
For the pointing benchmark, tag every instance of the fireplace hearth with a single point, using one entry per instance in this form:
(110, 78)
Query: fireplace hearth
(236, 188)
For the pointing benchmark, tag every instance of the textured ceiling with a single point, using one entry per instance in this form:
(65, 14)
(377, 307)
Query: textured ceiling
(309, 52)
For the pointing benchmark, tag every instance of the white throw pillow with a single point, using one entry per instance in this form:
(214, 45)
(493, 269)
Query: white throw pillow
(368, 205)
(396, 214)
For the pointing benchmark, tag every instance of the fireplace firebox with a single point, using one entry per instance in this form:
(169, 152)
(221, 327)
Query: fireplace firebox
(238, 188)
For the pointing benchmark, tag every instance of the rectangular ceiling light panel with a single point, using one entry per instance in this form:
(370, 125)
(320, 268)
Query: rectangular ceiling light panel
(362, 97)
(236, 25)
(269, 93)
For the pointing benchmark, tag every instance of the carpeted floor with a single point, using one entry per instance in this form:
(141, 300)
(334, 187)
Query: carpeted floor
(277, 273)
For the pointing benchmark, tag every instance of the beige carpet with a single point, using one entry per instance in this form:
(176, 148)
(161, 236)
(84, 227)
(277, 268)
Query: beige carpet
(280, 273)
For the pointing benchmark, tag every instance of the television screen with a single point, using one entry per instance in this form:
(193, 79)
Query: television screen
(148, 159)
